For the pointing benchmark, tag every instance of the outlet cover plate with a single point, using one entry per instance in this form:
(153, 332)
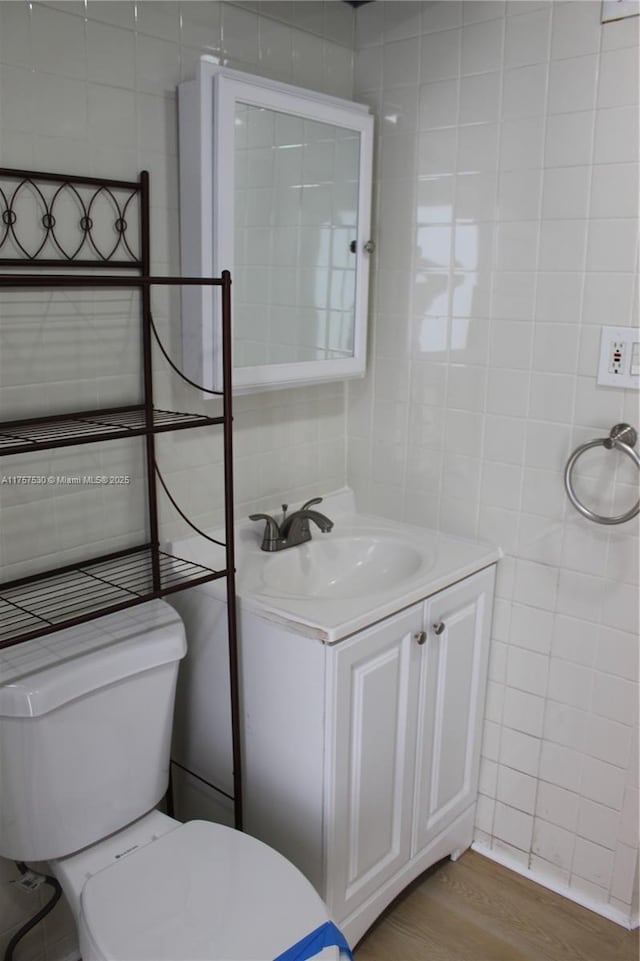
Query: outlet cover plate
(626, 339)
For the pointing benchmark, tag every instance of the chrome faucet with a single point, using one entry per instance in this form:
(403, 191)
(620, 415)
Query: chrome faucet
(293, 529)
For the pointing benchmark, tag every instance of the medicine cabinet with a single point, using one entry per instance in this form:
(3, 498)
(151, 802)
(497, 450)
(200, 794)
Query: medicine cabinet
(275, 186)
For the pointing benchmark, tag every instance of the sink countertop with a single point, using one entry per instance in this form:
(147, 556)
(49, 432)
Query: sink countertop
(447, 559)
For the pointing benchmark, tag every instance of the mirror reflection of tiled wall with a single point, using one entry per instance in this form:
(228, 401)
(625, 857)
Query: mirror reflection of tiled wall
(296, 202)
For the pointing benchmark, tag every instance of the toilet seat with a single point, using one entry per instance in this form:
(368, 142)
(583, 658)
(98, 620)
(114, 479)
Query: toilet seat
(203, 892)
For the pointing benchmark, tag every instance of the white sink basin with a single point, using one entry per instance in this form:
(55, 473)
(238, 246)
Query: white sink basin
(335, 566)
(364, 570)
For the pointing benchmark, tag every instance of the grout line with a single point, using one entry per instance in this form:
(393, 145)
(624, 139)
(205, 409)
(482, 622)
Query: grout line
(490, 325)
(545, 116)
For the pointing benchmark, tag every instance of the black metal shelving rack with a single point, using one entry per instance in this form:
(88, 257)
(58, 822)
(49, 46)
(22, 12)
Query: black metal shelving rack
(46, 602)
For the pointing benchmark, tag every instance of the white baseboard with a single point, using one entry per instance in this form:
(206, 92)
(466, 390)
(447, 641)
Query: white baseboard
(579, 897)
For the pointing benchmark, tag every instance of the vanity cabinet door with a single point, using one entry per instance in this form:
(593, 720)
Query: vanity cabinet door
(453, 675)
(372, 722)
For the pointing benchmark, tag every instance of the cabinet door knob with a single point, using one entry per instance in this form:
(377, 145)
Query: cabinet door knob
(420, 636)
(439, 628)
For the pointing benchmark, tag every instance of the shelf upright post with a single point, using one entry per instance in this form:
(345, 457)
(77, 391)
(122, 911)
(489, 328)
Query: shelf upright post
(234, 675)
(145, 293)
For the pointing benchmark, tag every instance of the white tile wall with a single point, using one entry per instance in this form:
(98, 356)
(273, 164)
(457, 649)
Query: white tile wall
(91, 89)
(507, 233)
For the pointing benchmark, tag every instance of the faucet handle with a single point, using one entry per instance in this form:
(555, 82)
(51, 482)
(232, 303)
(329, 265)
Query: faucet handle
(260, 517)
(314, 500)
(271, 524)
(271, 530)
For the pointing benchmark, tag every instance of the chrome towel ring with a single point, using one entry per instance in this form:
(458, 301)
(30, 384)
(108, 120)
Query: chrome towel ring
(622, 437)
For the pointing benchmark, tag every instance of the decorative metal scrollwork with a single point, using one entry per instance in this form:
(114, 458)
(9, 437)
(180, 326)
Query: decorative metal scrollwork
(66, 220)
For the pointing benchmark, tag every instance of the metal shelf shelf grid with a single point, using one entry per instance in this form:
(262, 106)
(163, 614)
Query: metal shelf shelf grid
(38, 605)
(45, 433)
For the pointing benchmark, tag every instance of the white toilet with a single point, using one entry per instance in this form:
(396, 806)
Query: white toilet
(85, 729)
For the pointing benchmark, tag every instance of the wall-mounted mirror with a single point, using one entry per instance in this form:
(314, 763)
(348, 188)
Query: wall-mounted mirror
(275, 186)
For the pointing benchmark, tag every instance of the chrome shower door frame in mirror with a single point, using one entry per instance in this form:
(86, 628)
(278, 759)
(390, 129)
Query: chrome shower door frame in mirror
(275, 186)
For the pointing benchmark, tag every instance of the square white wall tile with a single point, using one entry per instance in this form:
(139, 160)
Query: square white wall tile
(519, 196)
(551, 396)
(609, 741)
(566, 194)
(441, 16)
(524, 91)
(614, 190)
(615, 698)
(513, 826)
(559, 293)
(557, 805)
(523, 712)
(625, 873)
(572, 84)
(553, 843)
(531, 628)
(527, 38)
(603, 783)
(576, 29)
(592, 862)
(517, 790)
(535, 585)
(618, 81)
(575, 640)
(612, 245)
(527, 671)
(519, 751)
(598, 823)
(616, 135)
(561, 766)
(569, 138)
(401, 62)
(617, 652)
(566, 726)
(480, 98)
(481, 46)
(522, 143)
(562, 245)
(440, 55)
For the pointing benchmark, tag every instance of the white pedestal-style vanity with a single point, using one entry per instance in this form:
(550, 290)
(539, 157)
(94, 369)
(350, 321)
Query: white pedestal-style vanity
(363, 659)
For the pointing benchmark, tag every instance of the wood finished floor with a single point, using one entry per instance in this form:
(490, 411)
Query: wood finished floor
(476, 910)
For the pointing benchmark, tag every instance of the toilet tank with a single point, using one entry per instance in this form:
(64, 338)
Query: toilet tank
(85, 730)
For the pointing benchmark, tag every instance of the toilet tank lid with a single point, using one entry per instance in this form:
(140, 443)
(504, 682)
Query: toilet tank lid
(46, 672)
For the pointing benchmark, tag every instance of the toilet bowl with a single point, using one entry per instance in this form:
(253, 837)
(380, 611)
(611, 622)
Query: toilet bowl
(163, 891)
(85, 722)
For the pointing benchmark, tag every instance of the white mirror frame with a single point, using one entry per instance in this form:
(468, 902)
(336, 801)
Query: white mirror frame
(207, 117)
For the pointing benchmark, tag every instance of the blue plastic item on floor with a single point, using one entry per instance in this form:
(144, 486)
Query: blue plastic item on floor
(312, 944)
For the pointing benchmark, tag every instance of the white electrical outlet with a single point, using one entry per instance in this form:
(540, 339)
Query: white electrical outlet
(616, 357)
(619, 357)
